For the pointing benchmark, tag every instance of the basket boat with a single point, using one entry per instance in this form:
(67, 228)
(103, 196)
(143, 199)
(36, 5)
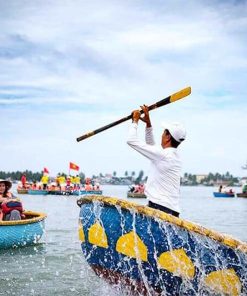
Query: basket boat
(22, 191)
(91, 192)
(153, 253)
(223, 194)
(242, 195)
(37, 192)
(22, 232)
(136, 195)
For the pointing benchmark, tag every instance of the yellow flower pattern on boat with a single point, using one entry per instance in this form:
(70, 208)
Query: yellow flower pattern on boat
(178, 263)
(97, 235)
(132, 246)
(224, 281)
(81, 233)
(175, 261)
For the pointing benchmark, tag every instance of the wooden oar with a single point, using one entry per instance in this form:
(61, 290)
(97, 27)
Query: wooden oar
(172, 98)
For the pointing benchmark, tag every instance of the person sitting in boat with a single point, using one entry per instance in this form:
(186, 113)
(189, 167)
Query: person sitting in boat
(34, 185)
(132, 188)
(68, 181)
(68, 185)
(227, 190)
(88, 185)
(163, 185)
(136, 190)
(77, 182)
(96, 186)
(141, 188)
(10, 206)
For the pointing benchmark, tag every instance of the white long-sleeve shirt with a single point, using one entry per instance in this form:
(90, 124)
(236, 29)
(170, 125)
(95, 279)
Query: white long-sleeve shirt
(163, 184)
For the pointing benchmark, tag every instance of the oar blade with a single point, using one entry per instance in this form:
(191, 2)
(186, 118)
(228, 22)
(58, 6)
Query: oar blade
(180, 94)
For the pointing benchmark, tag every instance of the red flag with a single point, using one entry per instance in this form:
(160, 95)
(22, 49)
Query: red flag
(73, 166)
(45, 171)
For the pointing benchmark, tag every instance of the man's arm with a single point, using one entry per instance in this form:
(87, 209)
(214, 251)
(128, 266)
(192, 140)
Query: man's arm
(150, 151)
(149, 137)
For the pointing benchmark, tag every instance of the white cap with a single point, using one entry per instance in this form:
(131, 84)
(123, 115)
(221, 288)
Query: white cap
(176, 129)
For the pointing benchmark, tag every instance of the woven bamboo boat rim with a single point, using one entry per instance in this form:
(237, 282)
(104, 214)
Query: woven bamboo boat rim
(222, 238)
(36, 217)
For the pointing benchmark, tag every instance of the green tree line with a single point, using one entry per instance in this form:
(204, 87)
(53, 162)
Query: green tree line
(210, 179)
(31, 176)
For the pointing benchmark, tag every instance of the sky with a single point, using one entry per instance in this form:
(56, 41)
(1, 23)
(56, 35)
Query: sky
(69, 67)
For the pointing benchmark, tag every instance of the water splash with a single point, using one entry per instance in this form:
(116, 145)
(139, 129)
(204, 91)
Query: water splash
(194, 262)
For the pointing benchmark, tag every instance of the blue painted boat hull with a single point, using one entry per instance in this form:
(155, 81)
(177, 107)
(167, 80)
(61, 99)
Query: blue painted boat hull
(153, 253)
(22, 233)
(37, 192)
(96, 192)
(221, 194)
(76, 192)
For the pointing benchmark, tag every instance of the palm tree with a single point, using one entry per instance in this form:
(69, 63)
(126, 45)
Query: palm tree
(139, 178)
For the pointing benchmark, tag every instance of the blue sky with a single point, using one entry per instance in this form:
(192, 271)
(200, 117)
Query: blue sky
(68, 67)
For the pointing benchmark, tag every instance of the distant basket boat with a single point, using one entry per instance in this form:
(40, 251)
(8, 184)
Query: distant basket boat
(64, 192)
(136, 195)
(22, 232)
(154, 253)
(242, 195)
(37, 192)
(223, 194)
(95, 192)
(22, 191)
(74, 192)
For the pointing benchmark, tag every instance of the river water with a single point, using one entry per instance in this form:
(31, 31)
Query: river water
(56, 265)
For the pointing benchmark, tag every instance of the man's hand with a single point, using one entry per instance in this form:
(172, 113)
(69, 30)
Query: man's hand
(136, 114)
(145, 118)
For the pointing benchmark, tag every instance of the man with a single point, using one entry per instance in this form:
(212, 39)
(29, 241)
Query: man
(163, 184)
(23, 180)
(44, 180)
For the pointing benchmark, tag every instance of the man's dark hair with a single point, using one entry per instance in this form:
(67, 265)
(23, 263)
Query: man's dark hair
(174, 143)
